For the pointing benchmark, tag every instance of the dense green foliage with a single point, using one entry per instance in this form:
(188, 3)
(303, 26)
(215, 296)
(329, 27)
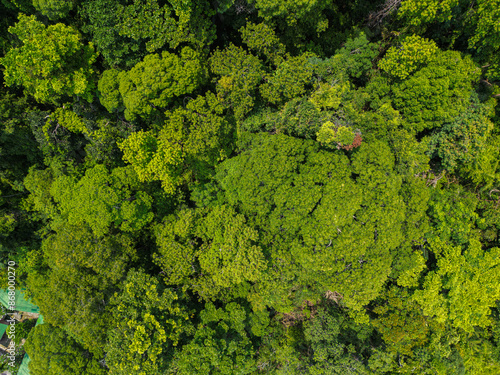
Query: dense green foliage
(253, 186)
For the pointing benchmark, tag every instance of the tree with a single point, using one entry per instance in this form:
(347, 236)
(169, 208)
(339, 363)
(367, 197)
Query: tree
(52, 62)
(54, 9)
(191, 142)
(150, 321)
(152, 83)
(428, 11)
(413, 53)
(354, 59)
(102, 199)
(171, 23)
(429, 87)
(52, 351)
(240, 74)
(221, 343)
(338, 345)
(453, 214)
(73, 281)
(109, 90)
(464, 286)
(486, 38)
(460, 142)
(212, 251)
(103, 18)
(262, 39)
(291, 79)
(292, 11)
(323, 230)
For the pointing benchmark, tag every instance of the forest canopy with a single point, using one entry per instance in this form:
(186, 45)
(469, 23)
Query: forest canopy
(252, 186)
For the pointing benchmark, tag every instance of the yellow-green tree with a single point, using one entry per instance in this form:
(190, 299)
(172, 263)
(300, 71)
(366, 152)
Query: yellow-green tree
(51, 63)
(464, 287)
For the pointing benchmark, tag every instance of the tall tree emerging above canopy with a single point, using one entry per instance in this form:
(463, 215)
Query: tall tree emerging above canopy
(327, 225)
(51, 63)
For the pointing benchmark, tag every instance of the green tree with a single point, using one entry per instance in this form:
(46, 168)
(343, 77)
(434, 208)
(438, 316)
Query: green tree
(290, 79)
(323, 230)
(460, 142)
(152, 83)
(103, 19)
(227, 255)
(413, 53)
(171, 23)
(240, 74)
(102, 199)
(453, 213)
(432, 93)
(109, 90)
(486, 38)
(54, 9)
(339, 346)
(464, 286)
(52, 351)
(52, 62)
(262, 39)
(417, 12)
(354, 59)
(221, 343)
(150, 321)
(74, 277)
(292, 11)
(191, 142)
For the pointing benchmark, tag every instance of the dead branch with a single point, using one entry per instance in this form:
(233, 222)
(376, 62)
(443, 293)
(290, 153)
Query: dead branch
(389, 7)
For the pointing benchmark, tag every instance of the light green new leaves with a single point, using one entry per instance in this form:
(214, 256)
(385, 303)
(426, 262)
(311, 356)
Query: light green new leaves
(335, 137)
(464, 287)
(69, 120)
(52, 62)
(149, 321)
(418, 12)
(153, 158)
(413, 53)
(229, 254)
